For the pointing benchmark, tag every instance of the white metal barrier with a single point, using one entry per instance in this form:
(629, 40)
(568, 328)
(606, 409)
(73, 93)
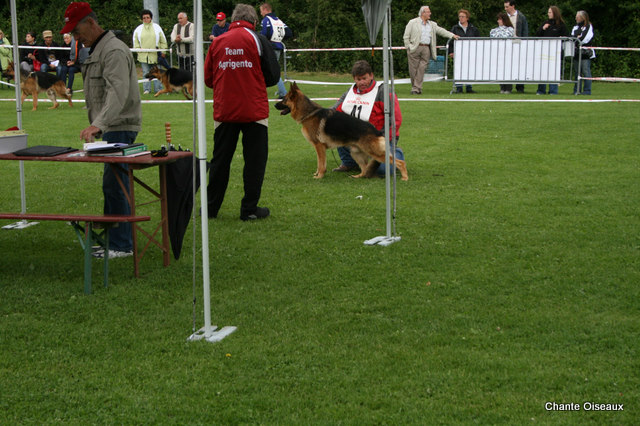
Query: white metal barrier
(513, 60)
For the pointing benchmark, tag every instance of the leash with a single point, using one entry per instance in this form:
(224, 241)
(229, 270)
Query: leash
(311, 114)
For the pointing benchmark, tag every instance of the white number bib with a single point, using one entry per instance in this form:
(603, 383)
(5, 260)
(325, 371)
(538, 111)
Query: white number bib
(278, 29)
(360, 106)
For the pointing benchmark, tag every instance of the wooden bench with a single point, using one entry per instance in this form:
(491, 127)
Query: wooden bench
(88, 235)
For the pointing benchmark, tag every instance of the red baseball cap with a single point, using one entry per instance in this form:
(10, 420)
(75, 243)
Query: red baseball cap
(220, 16)
(74, 14)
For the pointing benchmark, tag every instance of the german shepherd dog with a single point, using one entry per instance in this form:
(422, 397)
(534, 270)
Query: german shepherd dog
(327, 128)
(38, 81)
(173, 80)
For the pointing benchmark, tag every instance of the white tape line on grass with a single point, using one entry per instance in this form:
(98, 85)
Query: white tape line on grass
(577, 100)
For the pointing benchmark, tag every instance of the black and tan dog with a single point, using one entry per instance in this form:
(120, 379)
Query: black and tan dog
(173, 80)
(327, 128)
(36, 82)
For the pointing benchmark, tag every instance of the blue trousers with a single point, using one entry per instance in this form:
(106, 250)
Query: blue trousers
(65, 72)
(584, 71)
(347, 160)
(282, 91)
(115, 201)
(542, 89)
(146, 84)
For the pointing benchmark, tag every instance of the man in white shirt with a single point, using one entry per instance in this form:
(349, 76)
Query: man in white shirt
(420, 41)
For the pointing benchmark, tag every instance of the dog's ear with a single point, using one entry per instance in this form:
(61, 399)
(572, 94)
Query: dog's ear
(293, 86)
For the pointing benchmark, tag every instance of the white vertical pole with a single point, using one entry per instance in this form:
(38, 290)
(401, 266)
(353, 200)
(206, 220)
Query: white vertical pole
(387, 239)
(387, 165)
(202, 155)
(208, 332)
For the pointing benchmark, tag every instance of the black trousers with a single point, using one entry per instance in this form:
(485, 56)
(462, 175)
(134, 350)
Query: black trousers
(255, 150)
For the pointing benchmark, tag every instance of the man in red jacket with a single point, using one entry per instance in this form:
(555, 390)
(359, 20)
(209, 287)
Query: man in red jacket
(240, 64)
(365, 100)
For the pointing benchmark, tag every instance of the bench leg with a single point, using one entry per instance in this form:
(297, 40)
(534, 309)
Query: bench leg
(88, 243)
(106, 258)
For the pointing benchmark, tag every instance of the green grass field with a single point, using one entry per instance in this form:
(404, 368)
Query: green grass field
(515, 283)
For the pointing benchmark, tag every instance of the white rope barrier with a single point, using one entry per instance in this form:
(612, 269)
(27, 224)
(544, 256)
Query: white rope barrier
(614, 79)
(569, 101)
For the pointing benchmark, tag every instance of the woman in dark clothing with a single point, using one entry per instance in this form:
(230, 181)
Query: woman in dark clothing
(552, 27)
(584, 32)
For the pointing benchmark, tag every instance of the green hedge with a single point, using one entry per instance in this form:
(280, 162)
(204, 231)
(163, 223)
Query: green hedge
(327, 23)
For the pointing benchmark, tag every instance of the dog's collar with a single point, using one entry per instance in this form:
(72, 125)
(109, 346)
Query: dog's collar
(311, 114)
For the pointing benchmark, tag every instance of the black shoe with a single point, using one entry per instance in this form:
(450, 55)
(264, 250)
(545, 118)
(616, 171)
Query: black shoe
(260, 213)
(471, 91)
(343, 168)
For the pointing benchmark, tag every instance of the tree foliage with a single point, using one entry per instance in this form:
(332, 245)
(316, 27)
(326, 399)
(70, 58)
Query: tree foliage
(328, 24)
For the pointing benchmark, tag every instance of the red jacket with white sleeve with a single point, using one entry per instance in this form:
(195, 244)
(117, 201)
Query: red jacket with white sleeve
(232, 68)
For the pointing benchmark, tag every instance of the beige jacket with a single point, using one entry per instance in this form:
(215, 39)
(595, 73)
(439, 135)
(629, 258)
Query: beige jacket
(111, 87)
(413, 31)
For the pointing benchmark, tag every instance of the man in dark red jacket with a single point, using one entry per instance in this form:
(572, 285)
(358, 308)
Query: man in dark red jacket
(240, 64)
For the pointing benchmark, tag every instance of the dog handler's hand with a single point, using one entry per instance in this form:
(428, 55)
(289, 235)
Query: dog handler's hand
(89, 133)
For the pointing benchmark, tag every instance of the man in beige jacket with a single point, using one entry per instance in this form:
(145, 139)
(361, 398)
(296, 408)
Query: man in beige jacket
(112, 97)
(420, 41)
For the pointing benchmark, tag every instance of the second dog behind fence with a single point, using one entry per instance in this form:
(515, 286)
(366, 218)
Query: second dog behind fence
(173, 80)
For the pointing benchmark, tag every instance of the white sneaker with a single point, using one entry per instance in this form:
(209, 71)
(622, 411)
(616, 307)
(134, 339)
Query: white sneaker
(113, 254)
(146, 92)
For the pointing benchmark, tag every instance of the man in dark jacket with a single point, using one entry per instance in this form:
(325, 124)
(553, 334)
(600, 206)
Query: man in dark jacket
(240, 65)
(520, 26)
(463, 28)
(48, 57)
(276, 31)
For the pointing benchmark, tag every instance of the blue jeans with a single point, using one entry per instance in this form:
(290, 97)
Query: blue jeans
(65, 72)
(282, 91)
(459, 88)
(584, 71)
(542, 89)
(115, 201)
(347, 160)
(146, 84)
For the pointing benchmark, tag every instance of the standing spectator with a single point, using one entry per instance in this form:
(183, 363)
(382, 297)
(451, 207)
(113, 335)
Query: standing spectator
(583, 31)
(48, 58)
(520, 27)
(27, 55)
(552, 27)
(220, 27)
(182, 36)
(365, 100)
(276, 31)
(149, 35)
(240, 65)
(503, 30)
(6, 54)
(113, 103)
(420, 41)
(463, 28)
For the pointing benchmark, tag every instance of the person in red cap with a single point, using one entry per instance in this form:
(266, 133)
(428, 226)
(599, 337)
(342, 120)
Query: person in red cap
(112, 99)
(220, 27)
